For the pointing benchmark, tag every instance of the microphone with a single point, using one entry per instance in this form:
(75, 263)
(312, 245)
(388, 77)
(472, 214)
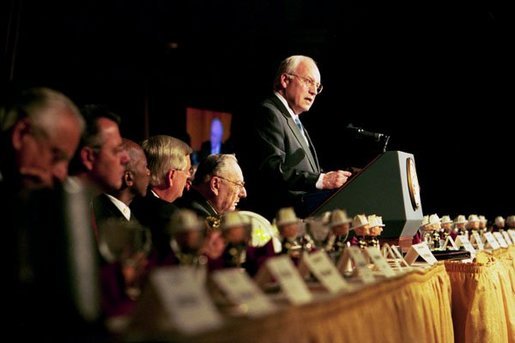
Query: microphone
(376, 135)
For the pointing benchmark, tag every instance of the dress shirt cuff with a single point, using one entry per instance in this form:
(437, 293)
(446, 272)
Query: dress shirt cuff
(320, 181)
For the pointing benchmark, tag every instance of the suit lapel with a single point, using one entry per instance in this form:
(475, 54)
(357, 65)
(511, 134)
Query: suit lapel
(298, 135)
(312, 150)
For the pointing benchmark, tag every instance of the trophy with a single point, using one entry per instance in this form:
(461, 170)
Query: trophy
(237, 232)
(289, 227)
(473, 223)
(336, 241)
(185, 231)
(459, 225)
(376, 228)
(361, 228)
(127, 243)
(446, 224)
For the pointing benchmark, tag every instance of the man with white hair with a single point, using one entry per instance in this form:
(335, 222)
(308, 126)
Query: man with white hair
(217, 188)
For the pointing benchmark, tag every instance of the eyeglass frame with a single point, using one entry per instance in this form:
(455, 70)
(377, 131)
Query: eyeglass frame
(188, 172)
(309, 82)
(240, 184)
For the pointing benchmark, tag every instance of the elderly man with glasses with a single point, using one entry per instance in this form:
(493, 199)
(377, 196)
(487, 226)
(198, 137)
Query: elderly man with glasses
(217, 188)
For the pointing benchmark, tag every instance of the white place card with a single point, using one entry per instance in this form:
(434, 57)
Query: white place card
(325, 271)
(507, 238)
(450, 242)
(398, 253)
(380, 262)
(354, 255)
(476, 238)
(463, 241)
(491, 241)
(422, 250)
(512, 235)
(390, 255)
(184, 299)
(500, 239)
(284, 271)
(241, 290)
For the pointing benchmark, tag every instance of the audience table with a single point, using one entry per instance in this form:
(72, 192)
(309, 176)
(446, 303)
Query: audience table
(414, 307)
(483, 297)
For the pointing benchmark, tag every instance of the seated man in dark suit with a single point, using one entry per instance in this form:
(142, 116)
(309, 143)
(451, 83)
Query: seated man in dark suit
(280, 159)
(135, 180)
(113, 208)
(170, 168)
(99, 162)
(217, 188)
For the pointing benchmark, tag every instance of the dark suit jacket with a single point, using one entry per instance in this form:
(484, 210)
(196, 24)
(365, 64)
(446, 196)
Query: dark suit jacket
(104, 209)
(282, 167)
(155, 214)
(193, 200)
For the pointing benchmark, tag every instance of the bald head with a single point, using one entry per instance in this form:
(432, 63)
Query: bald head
(137, 174)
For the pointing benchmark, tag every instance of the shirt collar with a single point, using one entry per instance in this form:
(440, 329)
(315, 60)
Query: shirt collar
(285, 103)
(126, 211)
(155, 194)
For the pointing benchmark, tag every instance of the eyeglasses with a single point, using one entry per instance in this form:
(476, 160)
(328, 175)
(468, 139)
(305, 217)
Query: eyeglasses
(309, 82)
(188, 172)
(240, 184)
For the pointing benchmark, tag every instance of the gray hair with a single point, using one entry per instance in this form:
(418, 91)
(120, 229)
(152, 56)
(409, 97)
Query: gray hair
(214, 164)
(42, 106)
(165, 153)
(288, 66)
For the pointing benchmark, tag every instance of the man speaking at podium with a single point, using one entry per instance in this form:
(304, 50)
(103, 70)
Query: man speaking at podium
(283, 166)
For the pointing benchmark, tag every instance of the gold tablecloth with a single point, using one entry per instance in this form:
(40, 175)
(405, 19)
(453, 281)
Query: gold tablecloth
(412, 308)
(483, 298)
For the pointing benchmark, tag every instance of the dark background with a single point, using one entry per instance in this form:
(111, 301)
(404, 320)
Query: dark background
(436, 76)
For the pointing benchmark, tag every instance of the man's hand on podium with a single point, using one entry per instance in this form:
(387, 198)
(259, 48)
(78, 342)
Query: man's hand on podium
(335, 179)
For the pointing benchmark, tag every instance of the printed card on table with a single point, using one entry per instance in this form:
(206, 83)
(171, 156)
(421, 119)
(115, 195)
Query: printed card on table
(450, 242)
(380, 262)
(422, 250)
(388, 254)
(512, 235)
(184, 299)
(491, 241)
(476, 238)
(463, 241)
(325, 271)
(397, 253)
(240, 289)
(392, 253)
(353, 255)
(282, 269)
(500, 239)
(507, 238)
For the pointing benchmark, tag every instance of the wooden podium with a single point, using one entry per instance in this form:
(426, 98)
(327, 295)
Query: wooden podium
(388, 187)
